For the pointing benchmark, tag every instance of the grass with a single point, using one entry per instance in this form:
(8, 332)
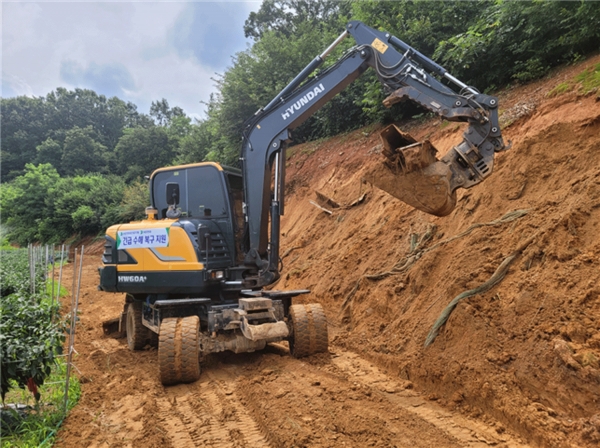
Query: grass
(586, 82)
(39, 426)
(589, 80)
(563, 87)
(53, 288)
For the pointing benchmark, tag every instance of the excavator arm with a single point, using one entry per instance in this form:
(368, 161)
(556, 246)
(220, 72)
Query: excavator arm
(407, 75)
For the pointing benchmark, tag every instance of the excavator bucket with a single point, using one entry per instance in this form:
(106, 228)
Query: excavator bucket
(412, 173)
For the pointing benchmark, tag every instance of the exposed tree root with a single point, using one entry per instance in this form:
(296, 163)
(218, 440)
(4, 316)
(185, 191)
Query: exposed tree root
(406, 262)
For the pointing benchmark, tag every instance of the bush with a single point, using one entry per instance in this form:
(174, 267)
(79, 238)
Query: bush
(30, 343)
(29, 340)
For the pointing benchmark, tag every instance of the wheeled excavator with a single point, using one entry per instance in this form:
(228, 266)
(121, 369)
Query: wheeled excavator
(195, 270)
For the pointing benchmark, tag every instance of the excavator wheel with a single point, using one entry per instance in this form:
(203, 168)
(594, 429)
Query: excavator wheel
(153, 339)
(178, 350)
(137, 334)
(309, 330)
(319, 334)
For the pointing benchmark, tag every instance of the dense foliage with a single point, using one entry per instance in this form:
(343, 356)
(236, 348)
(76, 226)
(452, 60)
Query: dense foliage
(521, 41)
(29, 340)
(42, 206)
(75, 159)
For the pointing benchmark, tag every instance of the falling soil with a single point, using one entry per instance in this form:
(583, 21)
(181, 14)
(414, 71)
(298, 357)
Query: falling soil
(518, 365)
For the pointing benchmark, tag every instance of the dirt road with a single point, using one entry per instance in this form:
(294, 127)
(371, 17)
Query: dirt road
(516, 365)
(265, 399)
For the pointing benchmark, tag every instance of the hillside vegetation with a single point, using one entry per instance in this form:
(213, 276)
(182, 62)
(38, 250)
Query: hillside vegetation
(73, 161)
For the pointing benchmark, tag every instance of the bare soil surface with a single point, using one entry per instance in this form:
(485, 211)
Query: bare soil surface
(516, 366)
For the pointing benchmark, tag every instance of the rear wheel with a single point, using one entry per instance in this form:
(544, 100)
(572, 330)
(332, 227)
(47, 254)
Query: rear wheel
(137, 334)
(309, 330)
(178, 350)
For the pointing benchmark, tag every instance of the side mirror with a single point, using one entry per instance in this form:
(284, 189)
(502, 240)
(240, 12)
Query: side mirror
(172, 193)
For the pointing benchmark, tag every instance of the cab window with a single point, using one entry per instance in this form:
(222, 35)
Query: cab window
(201, 192)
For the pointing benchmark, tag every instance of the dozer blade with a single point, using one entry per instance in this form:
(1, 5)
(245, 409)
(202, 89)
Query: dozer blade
(115, 328)
(412, 173)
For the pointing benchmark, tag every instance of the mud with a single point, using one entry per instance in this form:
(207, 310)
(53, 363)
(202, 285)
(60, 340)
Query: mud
(515, 366)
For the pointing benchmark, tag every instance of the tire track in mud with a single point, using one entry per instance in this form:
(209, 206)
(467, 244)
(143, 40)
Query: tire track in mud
(232, 415)
(206, 413)
(310, 402)
(469, 433)
(341, 398)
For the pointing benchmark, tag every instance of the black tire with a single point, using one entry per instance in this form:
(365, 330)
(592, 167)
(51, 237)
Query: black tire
(319, 336)
(178, 350)
(190, 349)
(137, 334)
(309, 333)
(169, 371)
(153, 339)
(300, 337)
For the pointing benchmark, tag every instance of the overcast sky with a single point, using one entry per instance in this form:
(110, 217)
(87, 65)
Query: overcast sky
(139, 51)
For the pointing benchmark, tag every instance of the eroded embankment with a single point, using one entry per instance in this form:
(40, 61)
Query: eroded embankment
(527, 352)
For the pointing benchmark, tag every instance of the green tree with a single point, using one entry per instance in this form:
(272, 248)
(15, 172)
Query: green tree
(81, 153)
(141, 150)
(286, 16)
(195, 146)
(28, 123)
(163, 114)
(84, 108)
(521, 40)
(82, 205)
(50, 151)
(24, 202)
(135, 199)
(24, 127)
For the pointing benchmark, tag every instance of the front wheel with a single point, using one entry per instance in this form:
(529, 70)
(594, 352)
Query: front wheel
(309, 333)
(179, 350)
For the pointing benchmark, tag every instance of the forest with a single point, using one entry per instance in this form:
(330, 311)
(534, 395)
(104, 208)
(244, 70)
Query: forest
(74, 161)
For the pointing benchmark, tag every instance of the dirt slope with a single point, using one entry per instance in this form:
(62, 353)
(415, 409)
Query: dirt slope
(527, 352)
(518, 365)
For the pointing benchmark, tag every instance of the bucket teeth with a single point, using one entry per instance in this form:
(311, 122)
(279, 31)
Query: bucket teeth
(412, 173)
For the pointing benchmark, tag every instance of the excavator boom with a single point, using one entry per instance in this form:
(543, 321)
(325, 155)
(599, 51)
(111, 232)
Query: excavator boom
(409, 171)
